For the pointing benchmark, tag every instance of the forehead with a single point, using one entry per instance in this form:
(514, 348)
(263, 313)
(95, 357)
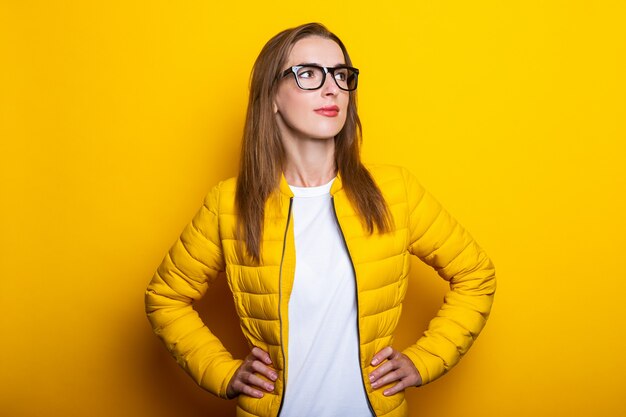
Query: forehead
(316, 50)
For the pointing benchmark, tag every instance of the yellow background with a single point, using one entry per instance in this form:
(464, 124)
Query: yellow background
(117, 117)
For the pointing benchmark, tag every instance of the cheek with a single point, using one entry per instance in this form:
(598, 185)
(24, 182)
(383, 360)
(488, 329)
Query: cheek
(298, 107)
(344, 100)
(284, 99)
(344, 106)
(289, 103)
(343, 119)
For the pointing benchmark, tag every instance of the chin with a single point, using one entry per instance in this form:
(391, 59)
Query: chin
(325, 135)
(327, 132)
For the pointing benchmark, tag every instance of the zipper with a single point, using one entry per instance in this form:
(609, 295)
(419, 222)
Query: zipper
(280, 316)
(356, 290)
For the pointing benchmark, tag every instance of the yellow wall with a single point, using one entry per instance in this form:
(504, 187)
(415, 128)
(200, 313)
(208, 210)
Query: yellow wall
(116, 117)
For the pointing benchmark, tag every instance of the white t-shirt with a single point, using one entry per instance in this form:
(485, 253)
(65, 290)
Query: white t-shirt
(324, 376)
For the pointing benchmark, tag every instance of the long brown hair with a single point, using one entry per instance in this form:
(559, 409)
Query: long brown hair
(262, 153)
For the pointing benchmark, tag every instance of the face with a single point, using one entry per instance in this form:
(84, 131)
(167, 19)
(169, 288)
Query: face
(311, 114)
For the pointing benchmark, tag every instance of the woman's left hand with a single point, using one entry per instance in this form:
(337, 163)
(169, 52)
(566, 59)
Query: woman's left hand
(397, 367)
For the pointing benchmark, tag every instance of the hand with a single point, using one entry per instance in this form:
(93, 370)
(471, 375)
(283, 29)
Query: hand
(398, 367)
(246, 379)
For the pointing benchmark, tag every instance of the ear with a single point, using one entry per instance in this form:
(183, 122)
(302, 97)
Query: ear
(275, 106)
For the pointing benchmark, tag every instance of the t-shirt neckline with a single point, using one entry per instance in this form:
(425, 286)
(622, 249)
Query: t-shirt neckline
(312, 191)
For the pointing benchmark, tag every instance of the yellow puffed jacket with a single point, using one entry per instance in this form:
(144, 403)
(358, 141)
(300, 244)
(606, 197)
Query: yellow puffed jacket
(261, 293)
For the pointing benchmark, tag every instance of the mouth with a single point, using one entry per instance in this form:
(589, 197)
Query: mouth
(328, 111)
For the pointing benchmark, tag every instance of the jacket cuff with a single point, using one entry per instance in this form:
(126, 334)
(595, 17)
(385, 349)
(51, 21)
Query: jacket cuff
(216, 379)
(429, 366)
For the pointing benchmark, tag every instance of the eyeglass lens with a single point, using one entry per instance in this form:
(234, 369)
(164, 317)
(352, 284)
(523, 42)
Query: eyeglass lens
(310, 77)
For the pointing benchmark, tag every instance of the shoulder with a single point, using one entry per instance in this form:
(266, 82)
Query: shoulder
(228, 186)
(221, 198)
(396, 183)
(383, 171)
(391, 176)
(387, 172)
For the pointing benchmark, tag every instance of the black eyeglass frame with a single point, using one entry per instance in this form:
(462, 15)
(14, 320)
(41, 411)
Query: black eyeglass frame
(294, 70)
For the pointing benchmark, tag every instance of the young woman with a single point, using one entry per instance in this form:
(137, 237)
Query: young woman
(316, 250)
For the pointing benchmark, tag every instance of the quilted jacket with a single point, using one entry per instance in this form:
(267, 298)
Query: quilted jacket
(422, 228)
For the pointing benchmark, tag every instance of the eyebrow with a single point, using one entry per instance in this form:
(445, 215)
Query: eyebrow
(305, 64)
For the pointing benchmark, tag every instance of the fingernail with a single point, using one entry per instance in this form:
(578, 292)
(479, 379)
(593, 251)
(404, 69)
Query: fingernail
(374, 384)
(371, 377)
(273, 376)
(374, 362)
(270, 387)
(268, 361)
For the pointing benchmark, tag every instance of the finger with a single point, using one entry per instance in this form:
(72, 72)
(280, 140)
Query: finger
(266, 371)
(388, 378)
(406, 376)
(411, 379)
(254, 380)
(241, 388)
(261, 355)
(383, 354)
(383, 369)
(400, 386)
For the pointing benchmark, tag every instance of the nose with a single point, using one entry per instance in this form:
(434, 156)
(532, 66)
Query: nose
(330, 86)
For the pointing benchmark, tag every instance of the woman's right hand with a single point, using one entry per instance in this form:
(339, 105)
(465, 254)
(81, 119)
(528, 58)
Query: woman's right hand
(247, 380)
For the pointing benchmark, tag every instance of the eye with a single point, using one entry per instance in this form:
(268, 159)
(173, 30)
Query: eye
(307, 73)
(341, 74)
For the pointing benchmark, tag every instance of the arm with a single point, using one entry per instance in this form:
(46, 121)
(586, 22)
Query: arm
(439, 241)
(191, 264)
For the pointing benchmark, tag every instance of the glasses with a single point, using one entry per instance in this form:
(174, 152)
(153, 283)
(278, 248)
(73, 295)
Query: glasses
(312, 77)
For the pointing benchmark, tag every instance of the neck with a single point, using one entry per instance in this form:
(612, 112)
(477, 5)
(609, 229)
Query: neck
(310, 162)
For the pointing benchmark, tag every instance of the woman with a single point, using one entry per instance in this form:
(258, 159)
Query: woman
(316, 252)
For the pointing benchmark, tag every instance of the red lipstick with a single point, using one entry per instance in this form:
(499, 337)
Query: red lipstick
(328, 111)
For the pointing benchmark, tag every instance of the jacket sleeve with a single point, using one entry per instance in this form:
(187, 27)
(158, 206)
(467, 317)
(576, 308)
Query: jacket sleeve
(189, 267)
(439, 241)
